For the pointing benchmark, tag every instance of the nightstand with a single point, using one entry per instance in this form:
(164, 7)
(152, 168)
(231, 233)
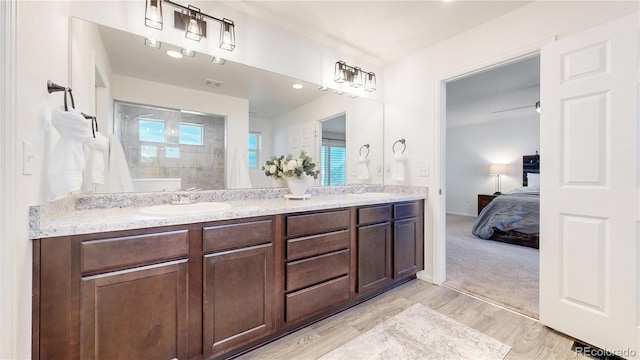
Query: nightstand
(484, 200)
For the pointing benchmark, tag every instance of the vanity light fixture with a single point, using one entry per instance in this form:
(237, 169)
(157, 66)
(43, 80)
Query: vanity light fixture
(340, 73)
(188, 52)
(194, 27)
(218, 60)
(369, 82)
(355, 76)
(153, 14)
(192, 20)
(152, 42)
(227, 35)
(356, 81)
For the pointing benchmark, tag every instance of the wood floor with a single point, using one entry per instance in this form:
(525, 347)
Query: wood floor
(528, 338)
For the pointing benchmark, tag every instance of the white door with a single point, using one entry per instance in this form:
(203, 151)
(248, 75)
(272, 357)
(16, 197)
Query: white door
(589, 179)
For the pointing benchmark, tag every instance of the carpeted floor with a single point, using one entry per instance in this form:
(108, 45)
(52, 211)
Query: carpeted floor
(501, 273)
(419, 333)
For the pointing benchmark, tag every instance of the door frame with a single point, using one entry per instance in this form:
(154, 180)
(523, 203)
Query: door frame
(8, 239)
(439, 209)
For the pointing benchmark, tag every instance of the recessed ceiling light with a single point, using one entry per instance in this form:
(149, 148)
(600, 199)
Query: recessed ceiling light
(323, 88)
(297, 86)
(218, 60)
(447, 0)
(152, 42)
(188, 52)
(174, 54)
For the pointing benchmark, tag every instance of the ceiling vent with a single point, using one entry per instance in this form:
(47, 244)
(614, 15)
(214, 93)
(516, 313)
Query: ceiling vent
(214, 83)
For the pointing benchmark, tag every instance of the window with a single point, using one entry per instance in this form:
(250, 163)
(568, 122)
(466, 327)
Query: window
(151, 131)
(254, 150)
(334, 162)
(190, 134)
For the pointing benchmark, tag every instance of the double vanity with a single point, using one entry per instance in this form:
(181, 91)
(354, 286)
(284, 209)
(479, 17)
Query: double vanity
(113, 280)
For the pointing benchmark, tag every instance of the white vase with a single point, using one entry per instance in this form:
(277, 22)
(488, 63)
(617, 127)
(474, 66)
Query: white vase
(297, 185)
(278, 182)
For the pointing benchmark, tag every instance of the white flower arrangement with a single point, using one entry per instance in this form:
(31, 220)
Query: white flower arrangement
(287, 167)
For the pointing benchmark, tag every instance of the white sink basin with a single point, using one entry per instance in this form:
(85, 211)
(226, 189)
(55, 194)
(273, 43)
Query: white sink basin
(371, 195)
(187, 209)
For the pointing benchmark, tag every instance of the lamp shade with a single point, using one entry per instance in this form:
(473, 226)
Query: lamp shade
(227, 35)
(497, 169)
(194, 26)
(153, 14)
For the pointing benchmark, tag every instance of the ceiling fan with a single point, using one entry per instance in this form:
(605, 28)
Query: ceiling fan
(536, 105)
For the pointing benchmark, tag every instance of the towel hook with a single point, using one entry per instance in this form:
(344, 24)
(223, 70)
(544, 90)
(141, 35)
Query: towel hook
(94, 123)
(53, 87)
(401, 141)
(363, 147)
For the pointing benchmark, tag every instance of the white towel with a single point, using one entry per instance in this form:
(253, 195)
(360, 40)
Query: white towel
(239, 172)
(68, 159)
(118, 176)
(98, 148)
(398, 170)
(363, 167)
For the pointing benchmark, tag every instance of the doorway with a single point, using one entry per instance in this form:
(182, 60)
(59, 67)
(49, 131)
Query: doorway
(491, 129)
(333, 151)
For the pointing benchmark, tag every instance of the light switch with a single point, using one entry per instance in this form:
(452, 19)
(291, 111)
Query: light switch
(423, 170)
(27, 158)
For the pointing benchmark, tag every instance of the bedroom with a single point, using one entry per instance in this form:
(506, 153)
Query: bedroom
(492, 123)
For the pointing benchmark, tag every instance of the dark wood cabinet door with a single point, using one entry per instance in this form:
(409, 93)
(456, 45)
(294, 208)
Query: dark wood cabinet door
(406, 259)
(374, 257)
(139, 313)
(238, 298)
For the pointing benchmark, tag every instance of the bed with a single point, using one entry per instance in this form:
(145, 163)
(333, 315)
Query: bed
(514, 217)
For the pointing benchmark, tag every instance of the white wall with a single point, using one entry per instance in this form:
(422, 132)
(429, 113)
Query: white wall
(152, 93)
(470, 150)
(364, 122)
(42, 54)
(412, 91)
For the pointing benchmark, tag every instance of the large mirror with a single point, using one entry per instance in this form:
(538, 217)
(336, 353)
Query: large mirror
(198, 122)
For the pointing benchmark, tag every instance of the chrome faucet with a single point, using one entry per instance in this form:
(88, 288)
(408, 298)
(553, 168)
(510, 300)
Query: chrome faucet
(184, 197)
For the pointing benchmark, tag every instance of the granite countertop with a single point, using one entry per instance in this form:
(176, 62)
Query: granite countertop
(78, 218)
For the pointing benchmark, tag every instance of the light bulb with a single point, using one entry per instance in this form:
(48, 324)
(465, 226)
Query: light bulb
(226, 38)
(154, 14)
(193, 27)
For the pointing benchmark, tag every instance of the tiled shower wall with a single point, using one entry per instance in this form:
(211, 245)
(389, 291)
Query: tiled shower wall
(201, 166)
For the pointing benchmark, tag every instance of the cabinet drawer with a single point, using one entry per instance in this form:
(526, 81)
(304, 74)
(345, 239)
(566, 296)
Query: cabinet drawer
(127, 251)
(311, 271)
(309, 301)
(300, 225)
(317, 244)
(401, 211)
(374, 214)
(229, 236)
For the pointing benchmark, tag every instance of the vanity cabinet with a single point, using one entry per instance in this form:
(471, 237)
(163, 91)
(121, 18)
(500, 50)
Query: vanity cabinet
(317, 263)
(408, 239)
(237, 284)
(374, 247)
(390, 244)
(216, 289)
(112, 296)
